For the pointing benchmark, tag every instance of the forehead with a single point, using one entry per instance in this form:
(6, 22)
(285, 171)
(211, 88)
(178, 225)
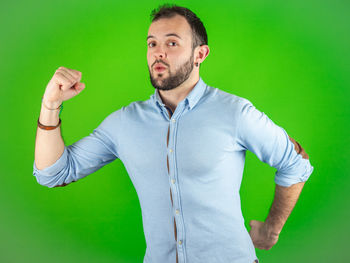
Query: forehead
(177, 25)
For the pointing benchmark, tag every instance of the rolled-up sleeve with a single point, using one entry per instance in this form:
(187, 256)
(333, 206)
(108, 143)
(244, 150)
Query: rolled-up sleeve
(81, 158)
(257, 133)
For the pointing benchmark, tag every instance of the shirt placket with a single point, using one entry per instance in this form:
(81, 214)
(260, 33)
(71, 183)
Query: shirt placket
(179, 243)
(167, 161)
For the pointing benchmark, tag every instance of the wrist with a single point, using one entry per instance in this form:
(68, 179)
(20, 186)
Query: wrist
(272, 228)
(51, 105)
(48, 117)
(50, 114)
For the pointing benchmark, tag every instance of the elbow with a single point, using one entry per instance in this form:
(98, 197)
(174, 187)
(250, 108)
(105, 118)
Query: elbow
(60, 179)
(296, 175)
(299, 149)
(52, 184)
(59, 174)
(64, 184)
(296, 169)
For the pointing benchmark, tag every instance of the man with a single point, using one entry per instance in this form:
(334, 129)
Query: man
(184, 150)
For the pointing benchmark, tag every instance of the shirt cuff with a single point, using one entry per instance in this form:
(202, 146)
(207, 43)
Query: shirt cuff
(302, 174)
(53, 169)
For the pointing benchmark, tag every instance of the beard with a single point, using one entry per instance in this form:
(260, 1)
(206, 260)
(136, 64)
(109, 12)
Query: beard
(174, 79)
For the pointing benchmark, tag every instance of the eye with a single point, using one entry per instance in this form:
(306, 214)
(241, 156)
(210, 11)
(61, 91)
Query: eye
(173, 42)
(149, 44)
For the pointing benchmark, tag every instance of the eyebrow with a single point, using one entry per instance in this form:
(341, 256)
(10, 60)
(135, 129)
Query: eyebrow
(167, 35)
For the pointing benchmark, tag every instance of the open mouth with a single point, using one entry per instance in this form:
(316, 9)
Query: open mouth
(159, 67)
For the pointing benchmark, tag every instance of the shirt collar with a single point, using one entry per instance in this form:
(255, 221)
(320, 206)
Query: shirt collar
(192, 97)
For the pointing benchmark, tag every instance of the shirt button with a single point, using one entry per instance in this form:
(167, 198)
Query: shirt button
(173, 181)
(177, 211)
(173, 120)
(180, 242)
(171, 150)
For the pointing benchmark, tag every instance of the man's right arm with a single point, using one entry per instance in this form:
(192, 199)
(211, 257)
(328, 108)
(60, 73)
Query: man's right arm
(64, 84)
(81, 158)
(49, 145)
(56, 164)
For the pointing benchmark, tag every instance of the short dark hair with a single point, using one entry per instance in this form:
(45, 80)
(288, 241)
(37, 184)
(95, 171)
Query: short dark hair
(199, 34)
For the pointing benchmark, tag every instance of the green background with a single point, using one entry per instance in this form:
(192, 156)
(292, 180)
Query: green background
(290, 58)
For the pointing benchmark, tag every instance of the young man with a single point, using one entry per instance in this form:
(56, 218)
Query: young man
(184, 150)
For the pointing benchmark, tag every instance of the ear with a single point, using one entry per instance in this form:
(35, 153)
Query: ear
(201, 53)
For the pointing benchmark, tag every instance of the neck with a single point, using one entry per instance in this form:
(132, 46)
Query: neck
(173, 97)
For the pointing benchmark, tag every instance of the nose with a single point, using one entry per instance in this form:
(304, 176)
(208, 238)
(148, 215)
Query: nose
(159, 52)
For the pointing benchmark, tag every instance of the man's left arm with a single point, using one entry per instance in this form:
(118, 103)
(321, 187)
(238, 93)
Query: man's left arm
(265, 234)
(272, 145)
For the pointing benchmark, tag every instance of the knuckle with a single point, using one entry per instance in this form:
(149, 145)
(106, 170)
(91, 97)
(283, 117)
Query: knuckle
(76, 73)
(73, 73)
(58, 73)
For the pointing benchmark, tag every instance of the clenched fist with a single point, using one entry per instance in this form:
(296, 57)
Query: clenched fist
(64, 85)
(261, 235)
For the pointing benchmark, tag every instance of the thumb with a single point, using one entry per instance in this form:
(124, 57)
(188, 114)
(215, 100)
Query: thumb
(79, 87)
(73, 91)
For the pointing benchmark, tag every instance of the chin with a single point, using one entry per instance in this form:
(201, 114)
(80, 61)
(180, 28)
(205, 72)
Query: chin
(159, 75)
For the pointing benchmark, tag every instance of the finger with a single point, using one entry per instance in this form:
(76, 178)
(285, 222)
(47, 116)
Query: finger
(76, 73)
(78, 87)
(61, 79)
(70, 74)
(69, 69)
(67, 75)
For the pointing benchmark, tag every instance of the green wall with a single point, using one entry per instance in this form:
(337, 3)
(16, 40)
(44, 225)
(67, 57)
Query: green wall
(290, 58)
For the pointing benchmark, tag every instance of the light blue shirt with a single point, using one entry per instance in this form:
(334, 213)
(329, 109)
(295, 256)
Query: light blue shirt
(209, 134)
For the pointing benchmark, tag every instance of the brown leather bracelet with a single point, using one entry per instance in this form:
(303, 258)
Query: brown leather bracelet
(44, 127)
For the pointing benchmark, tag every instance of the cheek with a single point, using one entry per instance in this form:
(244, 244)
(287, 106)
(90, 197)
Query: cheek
(148, 62)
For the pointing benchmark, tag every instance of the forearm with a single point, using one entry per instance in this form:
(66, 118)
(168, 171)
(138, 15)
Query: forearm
(49, 145)
(284, 201)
